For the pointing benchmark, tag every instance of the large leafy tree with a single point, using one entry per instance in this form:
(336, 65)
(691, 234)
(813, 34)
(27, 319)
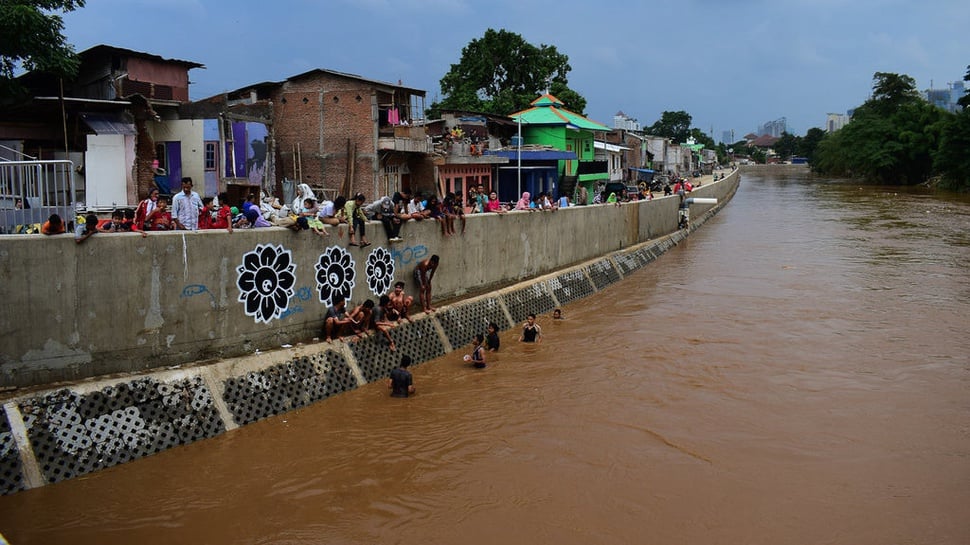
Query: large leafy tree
(501, 73)
(787, 145)
(809, 143)
(31, 39)
(952, 161)
(965, 99)
(891, 139)
(673, 125)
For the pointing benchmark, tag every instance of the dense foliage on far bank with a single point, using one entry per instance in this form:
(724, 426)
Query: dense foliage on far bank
(897, 138)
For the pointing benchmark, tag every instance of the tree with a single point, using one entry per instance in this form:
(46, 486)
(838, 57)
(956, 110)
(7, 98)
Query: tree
(890, 91)
(892, 138)
(501, 73)
(31, 39)
(965, 99)
(673, 125)
(809, 143)
(951, 160)
(787, 145)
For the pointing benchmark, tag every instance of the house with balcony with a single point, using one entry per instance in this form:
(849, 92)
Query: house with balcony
(110, 123)
(339, 133)
(462, 145)
(562, 152)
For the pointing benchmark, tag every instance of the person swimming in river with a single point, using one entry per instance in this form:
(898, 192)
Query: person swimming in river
(477, 357)
(531, 332)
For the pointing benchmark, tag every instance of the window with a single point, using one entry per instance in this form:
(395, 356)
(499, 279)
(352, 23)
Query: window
(210, 155)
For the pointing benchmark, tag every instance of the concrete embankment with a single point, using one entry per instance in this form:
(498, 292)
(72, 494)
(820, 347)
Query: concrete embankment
(173, 298)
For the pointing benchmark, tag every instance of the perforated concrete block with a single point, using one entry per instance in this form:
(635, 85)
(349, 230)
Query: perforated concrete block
(418, 339)
(287, 386)
(603, 273)
(570, 286)
(462, 321)
(73, 433)
(534, 299)
(11, 470)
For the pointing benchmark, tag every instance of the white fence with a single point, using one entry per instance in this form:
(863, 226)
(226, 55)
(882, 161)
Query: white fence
(30, 191)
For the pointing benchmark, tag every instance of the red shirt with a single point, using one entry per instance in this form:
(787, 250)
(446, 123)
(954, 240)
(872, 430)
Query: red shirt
(223, 218)
(205, 219)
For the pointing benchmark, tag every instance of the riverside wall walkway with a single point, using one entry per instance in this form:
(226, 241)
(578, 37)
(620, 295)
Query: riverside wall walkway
(184, 299)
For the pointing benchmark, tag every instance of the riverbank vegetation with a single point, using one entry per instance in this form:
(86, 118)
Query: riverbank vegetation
(897, 138)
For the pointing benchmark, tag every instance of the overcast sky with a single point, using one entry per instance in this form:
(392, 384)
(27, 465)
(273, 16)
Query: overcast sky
(731, 64)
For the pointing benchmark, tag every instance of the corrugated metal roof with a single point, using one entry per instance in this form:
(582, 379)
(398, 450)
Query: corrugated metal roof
(109, 123)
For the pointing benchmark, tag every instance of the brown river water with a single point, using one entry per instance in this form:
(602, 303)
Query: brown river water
(796, 372)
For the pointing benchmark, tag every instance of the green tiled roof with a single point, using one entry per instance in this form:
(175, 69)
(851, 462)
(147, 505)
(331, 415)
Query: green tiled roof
(548, 110)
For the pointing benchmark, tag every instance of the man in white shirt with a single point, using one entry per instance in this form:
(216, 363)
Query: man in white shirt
(416, 209)
(186, 206)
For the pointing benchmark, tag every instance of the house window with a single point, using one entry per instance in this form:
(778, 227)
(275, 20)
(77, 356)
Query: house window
(210, 155)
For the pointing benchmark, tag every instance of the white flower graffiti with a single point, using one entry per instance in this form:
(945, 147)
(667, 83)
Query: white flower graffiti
(380, 271)
(335, 274)
(265, 281)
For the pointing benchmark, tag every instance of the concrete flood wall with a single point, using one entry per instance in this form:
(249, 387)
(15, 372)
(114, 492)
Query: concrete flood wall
(47, 436)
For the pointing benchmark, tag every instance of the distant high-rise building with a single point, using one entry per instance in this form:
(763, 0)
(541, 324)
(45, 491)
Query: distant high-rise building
(946, 98)
(834, 122)
(622, 121)
(727, 137)
(774, 128)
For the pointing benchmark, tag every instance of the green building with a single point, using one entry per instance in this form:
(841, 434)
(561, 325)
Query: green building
(547, 124)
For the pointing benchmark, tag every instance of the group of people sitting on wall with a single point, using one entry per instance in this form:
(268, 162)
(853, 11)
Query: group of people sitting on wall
(186, 210)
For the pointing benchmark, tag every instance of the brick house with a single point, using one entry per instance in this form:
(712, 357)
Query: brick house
(341, 133)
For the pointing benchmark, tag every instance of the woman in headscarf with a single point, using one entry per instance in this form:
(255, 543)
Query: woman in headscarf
(524, 202)
(145, 209)
(303, 192)
(612, 198)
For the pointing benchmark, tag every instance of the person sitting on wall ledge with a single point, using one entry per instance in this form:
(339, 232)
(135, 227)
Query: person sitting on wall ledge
(415, 209)
(85, 230)
(335, 320)
(454, 210)
(361, 317)
(400, 304)
(493, 204)
(53, 226)
(381, 319)
(354, 210)
(160, 218)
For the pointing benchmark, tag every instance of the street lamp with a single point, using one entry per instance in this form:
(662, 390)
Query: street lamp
(519, 168)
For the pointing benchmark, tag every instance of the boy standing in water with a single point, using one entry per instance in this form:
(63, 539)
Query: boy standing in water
(401, 384)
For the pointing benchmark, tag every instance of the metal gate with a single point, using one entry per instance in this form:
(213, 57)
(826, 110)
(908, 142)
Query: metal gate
(31, 191)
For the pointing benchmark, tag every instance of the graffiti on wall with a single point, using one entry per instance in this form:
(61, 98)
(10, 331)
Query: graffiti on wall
(380, 271)
(336, 275)
(410, 254)
(265, 281)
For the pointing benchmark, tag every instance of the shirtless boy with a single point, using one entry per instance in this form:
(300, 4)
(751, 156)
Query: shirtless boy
(423, 273)
(400, 303)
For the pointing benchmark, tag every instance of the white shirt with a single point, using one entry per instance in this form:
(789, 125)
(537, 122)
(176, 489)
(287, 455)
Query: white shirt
(326, 210)
(185, 208)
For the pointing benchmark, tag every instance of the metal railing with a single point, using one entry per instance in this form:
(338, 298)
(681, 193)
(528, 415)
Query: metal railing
(31, 191)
